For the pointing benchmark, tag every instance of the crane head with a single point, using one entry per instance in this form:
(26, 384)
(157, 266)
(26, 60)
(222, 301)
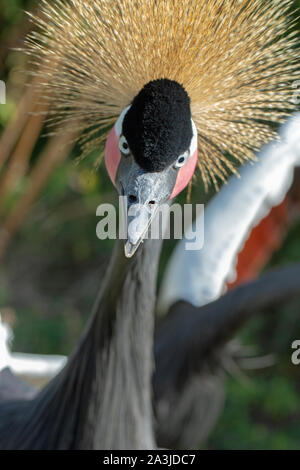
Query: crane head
(151, 154)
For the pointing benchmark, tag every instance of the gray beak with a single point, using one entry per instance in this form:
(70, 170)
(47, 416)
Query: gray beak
(139, 219)
(143, 193)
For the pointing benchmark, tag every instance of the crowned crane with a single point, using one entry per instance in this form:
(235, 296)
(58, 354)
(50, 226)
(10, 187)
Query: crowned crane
(169, 86)
(195, 315)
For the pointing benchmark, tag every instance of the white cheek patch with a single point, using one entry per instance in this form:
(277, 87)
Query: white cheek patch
(119, 123)
(112, 151)
(194, 143)
(185, 173)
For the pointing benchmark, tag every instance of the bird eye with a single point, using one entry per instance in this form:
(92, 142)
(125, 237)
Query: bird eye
(123, 146)
(182, 159)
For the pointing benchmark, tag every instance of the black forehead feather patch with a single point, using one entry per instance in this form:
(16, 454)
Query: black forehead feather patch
(158, 125)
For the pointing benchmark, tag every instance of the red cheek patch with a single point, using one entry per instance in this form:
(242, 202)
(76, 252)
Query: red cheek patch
(185, 175)
(112, 154)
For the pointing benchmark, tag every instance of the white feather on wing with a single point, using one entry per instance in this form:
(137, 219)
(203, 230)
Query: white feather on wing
(200, 277)
(31, 366)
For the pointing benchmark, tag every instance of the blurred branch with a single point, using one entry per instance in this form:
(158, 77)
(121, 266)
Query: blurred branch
(13, 131)
(56, 151)
(20, 158)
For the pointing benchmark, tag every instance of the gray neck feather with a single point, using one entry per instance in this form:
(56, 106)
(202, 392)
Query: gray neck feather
(122, 383)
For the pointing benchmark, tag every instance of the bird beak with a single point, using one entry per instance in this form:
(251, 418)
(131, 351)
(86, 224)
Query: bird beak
(143, 194)
(139, 219)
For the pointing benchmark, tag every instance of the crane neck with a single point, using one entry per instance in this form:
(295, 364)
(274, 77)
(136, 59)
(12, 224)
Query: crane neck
(122, 332)
(102, 399)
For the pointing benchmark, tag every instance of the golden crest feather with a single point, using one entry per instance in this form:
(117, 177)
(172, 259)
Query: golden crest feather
(237, 59)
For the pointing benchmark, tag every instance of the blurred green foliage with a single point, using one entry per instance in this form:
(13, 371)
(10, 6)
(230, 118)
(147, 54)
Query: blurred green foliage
(54, 266)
